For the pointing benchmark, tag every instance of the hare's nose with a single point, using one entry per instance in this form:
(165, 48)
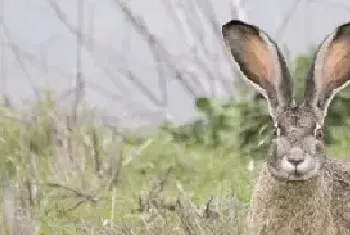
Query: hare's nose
(295, 162)
(296, 156)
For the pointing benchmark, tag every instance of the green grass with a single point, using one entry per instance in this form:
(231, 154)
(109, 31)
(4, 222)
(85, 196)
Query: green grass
(62, 177)
(59, 177)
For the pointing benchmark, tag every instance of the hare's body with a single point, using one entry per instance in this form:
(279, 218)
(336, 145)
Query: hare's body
(318, 206)
(299, 191)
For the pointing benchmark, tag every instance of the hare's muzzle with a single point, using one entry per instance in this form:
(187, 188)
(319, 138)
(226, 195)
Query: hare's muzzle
(298, 164)
(295, 156)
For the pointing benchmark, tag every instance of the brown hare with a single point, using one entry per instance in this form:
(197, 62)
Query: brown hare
(299, 190)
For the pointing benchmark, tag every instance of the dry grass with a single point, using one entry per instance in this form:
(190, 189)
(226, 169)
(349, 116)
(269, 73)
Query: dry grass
(60, 178)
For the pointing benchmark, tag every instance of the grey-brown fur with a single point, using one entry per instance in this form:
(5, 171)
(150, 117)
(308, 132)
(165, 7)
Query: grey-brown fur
(319, 206)
(299, 191)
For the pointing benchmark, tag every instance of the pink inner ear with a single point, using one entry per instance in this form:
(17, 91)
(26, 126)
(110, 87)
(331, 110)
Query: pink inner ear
(258, 61)
(336, 65)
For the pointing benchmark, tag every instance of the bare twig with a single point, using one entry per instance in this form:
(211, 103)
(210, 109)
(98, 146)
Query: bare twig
(79, 80)
(87, 197)
(86, 41)
(3, 50)
(96, 149)
(286, 19)
(18, 57)
(154, 44)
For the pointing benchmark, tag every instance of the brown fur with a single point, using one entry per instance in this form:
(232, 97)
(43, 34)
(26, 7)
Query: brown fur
(320, 206)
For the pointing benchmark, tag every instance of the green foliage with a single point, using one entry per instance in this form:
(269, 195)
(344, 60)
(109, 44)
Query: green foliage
(60, 178)
(214, 127)
(64, 180)
(250, 120)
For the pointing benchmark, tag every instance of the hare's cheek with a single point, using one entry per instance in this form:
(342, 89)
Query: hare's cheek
(272, 151)
(320, 150)
(273, 156)
(282, 146)
(312, 146)
(277, 152)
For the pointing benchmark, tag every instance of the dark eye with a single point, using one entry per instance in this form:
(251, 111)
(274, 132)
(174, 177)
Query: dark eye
(279, 130)
(276, 131)
(319, 133)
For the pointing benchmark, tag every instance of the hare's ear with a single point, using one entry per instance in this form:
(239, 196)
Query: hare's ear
(331, 69)
(261, 61)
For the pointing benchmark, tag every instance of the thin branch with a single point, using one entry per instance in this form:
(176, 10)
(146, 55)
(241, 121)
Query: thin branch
(237, 10)
(286, 19)
(2, 49)
(86, 41)
(79, 85)
(18, 57)
(155, 45)
(88, 197)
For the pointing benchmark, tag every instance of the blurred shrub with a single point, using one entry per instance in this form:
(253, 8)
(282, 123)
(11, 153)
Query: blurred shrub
(247, 123)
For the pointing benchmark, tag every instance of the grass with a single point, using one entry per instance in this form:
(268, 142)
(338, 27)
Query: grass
(60, 176)
(65, 177)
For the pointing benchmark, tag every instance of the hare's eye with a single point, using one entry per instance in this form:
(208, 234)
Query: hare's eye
(277, 131)
(319, 133)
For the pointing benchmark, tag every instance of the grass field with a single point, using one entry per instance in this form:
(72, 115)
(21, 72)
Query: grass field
(72, 175)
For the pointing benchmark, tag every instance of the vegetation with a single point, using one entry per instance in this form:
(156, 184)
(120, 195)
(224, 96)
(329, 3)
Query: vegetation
(73, 175)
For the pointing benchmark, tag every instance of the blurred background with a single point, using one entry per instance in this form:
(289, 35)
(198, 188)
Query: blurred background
(120, 116)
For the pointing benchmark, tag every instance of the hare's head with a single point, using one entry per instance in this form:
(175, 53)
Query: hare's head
(297, 152)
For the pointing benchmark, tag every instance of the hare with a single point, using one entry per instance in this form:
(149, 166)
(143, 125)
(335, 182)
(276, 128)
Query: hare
(298, 190)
